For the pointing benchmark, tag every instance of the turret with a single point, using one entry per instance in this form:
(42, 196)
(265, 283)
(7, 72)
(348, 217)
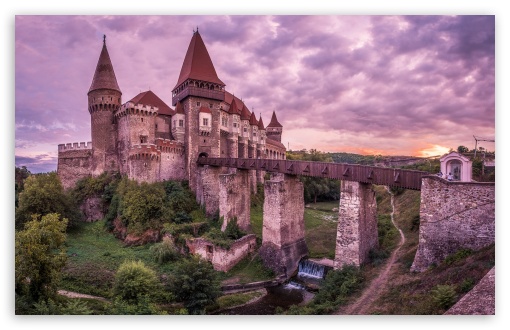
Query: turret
(274, 129)
(178, 123)
(235, 117)
(104, 98)
(254, 126)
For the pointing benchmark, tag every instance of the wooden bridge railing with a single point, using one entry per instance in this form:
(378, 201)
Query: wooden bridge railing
(408, 179)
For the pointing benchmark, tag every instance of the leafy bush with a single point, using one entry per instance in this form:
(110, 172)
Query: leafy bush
(444, 296)
(164, 251)
(466, 285)
(43, 194)
(133, 281)
(233, 231)
(182, 217)
(339, 284)
(144, 306)
(196, 283)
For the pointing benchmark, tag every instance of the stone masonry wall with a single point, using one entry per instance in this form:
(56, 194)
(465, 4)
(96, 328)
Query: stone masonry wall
(207, 188)
(357, 224)
(234, 199)
(223, 259)
(453, 215)
(73, 165)
(283, 231)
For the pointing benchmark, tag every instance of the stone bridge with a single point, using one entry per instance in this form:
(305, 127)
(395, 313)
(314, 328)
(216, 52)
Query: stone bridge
(225, 184)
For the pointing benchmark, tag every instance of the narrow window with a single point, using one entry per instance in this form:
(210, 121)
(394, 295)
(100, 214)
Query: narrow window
(181, 122)
(198, 104)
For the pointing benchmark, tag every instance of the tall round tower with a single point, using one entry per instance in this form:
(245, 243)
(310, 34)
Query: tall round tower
(104, 98)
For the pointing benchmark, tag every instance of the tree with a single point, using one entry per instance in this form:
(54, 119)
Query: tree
(196, 283)
(44, 194)
(40, 256)
(20, 175)
(134, 281)
(462, 149)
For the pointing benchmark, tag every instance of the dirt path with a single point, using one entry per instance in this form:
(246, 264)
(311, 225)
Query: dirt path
(372, 292)
(71, 294)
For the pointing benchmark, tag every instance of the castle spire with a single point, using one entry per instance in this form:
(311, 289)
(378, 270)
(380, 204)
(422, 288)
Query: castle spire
(197, 63)
(261, 124)
(253, 120)
(274, 121)
(104, 76)
(245, 113)
(234, 110)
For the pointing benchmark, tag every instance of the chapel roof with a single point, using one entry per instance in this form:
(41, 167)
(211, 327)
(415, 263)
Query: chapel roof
(149, 98)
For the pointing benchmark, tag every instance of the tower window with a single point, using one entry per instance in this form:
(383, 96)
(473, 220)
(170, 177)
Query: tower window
(210, 105)
(181, 122)
(141, 119)
(205, 121)
(198, 104)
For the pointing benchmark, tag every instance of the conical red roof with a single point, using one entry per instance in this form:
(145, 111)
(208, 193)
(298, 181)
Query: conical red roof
(274, 122)
(245, 113)
(261, 124)
(253, 119)
(149, 98)
(179, 109)
(104, 77)
(197, 63)
(233, 110)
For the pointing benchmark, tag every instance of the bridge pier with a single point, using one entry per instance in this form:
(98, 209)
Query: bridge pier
(283, 231)
(357, 224)
(234, 198)
(208, 188)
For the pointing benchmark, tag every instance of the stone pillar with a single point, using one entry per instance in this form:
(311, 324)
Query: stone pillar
(453, 216)
(357, 224)
(234, 199)
(208, 187)
(283, 231)
(253, 181)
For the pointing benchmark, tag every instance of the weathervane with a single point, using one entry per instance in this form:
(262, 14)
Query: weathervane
(104, 39)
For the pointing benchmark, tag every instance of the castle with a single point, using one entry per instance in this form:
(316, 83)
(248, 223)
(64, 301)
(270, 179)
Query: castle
(149, 141)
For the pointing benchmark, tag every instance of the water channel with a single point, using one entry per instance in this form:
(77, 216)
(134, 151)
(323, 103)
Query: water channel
(298, 291)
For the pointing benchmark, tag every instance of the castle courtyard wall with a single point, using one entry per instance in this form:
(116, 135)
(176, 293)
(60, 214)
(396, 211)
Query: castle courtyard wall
(74, 163)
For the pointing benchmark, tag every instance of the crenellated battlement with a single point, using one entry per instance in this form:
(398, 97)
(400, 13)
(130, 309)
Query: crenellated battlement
(145, 151)
(170, 146)
(130, 108)
(74, 146)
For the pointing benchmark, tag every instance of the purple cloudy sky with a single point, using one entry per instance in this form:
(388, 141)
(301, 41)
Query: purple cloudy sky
(391, 85)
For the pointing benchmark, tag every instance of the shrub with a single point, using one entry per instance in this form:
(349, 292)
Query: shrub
(196, 283)
(233, 231)
(133, 281)
(466, 285)
(443, 296)
(458, 255)
(164, 251)
(182, 217)
(338, 285)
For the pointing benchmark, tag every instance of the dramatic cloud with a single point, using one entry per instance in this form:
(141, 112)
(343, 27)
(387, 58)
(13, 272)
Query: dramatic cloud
(406, 85)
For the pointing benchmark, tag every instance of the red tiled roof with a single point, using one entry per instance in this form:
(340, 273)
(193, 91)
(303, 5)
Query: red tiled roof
(274, 143)
(274, 122)
(104, 76)
(261, 124)
(179, 109)
(245, 113)
(197, 63)
(233, 110)
(229, 98)
(149, 98)
(253, 119)
(205, 109)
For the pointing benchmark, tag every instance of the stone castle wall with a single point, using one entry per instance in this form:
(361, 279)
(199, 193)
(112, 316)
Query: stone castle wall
(453, 215)
(223, 259)
(74, 163)
(234, 199)
(173, 165)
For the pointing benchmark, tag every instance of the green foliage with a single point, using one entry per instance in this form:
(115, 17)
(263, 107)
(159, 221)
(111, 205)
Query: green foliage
(164, 251)
(466, 285)
(444, 296)
(43, 194)
(338, 286)
(257, 199)
(196, 284)
(458, 255)
(71, 307)
(218, 238)
(102, 186)
(20, 175)
(142, 207)
(462, 149)
(182, 217)
(143, 306)
(232, 229)
(133, 281)
(40, 256)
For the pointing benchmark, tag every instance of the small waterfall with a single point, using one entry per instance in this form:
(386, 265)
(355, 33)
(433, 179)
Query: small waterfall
(310, 269)
(293, 285)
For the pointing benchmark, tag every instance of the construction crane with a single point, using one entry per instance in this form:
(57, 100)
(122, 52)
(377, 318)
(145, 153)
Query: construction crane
(480, 139)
